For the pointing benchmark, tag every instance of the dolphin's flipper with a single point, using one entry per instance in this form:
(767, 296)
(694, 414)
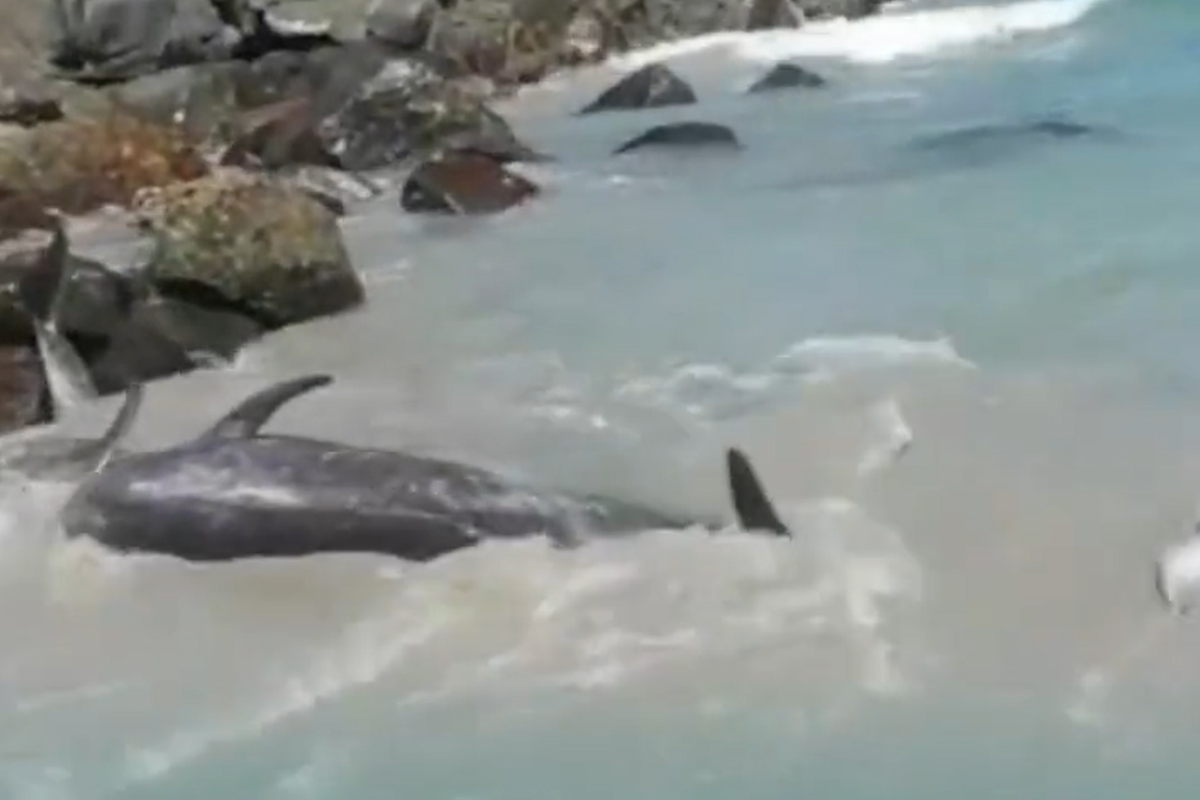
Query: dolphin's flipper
(750, 501)
(254, 412)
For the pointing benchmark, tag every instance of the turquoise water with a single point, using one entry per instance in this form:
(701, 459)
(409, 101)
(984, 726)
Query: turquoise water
(972, 617)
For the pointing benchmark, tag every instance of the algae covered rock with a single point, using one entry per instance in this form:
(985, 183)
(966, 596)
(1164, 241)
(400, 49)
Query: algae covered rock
(78, 165)
(261, 244)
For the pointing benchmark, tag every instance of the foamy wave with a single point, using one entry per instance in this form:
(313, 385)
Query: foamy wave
(882, 38)
(699, 394)
(843, 354)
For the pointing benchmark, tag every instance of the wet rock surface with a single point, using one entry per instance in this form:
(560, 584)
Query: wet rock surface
(464, 183)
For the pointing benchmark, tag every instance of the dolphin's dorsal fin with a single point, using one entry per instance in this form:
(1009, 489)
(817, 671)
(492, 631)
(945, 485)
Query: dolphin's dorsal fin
(95, 455)
(750, 502)
(252, 413)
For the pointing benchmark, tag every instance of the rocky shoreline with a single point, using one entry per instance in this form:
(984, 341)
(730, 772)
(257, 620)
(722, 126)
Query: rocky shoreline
(221, 130)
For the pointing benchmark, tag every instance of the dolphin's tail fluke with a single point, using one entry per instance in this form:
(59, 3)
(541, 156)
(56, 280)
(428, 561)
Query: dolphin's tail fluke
(750, 501)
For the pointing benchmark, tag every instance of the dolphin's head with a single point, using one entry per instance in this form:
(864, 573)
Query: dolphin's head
(110, 498)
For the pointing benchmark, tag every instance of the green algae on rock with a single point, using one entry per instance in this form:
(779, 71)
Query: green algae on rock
(264, 245)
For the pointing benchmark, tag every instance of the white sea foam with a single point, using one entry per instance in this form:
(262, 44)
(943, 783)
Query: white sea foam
(885, 37)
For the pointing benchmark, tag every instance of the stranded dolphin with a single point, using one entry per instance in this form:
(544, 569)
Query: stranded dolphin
(234, 493)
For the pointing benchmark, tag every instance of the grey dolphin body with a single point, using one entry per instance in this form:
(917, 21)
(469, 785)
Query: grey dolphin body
(234, 493)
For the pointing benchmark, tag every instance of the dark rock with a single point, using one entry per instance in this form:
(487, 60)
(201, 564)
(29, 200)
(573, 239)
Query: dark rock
(688, 135)
(123, 330)
(264, 33)
(161, 337)
(20, 212)
(28, 108)
(277, 136)
(787, 76)
(24, 389)
(652, 86)
(830, 9)
(112, 40)
(768, 14)
(464, 183)
(409, 109)
(632, 24)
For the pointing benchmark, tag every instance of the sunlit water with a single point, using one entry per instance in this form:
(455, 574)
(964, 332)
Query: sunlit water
(973, 616)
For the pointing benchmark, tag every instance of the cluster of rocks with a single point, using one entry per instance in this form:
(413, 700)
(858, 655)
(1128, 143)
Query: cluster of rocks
(204, 120)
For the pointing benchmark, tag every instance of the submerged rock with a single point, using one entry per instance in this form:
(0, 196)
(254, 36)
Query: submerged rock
(652, 86)
(678, 135)
(786, 76)
(464, 183)
(257, 242)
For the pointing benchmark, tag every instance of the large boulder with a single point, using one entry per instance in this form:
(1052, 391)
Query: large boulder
(209, 99)
(410, 109)
(110, 40)
(79, 165)
(122, 331)
(464, 183)
(847, 9)
(652, 86)
(259, 243)
(24, 388)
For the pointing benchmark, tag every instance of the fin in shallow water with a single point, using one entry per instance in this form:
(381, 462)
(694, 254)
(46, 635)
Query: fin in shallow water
(750, 501)
(255, 411)
(39, 293)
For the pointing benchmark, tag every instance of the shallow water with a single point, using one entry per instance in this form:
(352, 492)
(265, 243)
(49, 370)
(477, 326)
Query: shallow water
(975, 614)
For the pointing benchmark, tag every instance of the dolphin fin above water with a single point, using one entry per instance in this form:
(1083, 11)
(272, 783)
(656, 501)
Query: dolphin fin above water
(248, 417)
(750, 502)
(39, 294)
